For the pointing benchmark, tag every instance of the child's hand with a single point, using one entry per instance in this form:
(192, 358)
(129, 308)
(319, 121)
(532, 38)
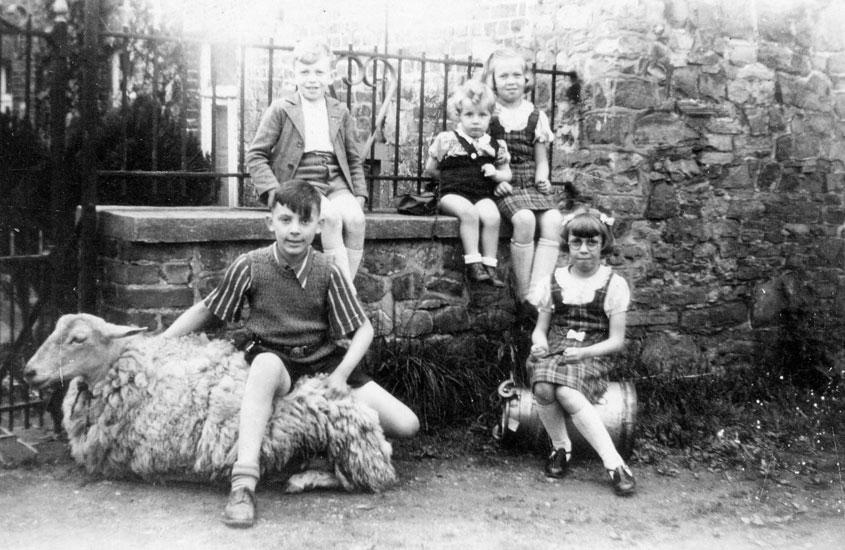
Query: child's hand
(504, 188)
(361, 201)
(488, 170)
(336, 386)
(544, 186)
(539, 351)
(573, 355)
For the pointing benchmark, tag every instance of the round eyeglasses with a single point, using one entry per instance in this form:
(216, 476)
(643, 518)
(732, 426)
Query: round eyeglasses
(592, 243)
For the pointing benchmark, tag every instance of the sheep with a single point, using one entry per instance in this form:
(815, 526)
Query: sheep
(167, 408)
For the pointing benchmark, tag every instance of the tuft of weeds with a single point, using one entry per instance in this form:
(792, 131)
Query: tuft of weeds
(742, 418)
(443, 384)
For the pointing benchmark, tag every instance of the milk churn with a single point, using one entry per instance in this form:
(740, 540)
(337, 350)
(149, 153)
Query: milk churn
(520, 426)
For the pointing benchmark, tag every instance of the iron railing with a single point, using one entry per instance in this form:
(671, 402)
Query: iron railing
(380, 80)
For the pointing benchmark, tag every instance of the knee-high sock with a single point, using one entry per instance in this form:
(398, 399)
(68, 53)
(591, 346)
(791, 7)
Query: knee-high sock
(341, 259)
(355, 257)
(545, 261)
(554, 420)
(522, 254)
(589, 423)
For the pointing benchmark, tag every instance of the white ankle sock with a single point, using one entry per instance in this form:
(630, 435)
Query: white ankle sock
(472, 258)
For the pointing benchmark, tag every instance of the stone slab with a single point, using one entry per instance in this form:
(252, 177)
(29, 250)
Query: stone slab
(203, 224)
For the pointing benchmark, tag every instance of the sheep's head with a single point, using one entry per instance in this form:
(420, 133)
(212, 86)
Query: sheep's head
(81, 345)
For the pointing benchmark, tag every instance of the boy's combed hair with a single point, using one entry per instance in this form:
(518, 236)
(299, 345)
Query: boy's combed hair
(300, 196)
(477, 93)
(311, 50)
(585, 223)
(502, 54)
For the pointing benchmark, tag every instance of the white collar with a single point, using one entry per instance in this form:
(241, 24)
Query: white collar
(481, 144)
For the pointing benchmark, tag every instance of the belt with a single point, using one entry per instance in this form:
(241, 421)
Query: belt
(293, 352)
(300, 352)
(326, 155)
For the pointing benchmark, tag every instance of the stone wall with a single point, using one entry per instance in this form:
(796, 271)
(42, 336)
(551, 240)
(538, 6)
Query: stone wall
(712, 131)
(157, 262)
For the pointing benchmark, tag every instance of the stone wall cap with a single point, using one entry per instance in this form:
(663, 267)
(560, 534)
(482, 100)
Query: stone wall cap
(218, 223)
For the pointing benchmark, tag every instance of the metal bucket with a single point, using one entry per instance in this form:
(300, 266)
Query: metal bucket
(520, 425)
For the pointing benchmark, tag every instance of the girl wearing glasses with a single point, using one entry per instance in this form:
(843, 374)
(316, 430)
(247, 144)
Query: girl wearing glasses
(580, 324)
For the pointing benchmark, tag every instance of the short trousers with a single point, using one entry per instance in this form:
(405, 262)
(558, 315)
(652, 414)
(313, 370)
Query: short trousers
(324, 365)
(321, 170)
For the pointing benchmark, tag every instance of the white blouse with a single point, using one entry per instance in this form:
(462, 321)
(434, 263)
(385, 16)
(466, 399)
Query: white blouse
(514, 119)
(579, 290)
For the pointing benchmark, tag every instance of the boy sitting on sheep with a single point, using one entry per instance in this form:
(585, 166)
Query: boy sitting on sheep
(299, 305)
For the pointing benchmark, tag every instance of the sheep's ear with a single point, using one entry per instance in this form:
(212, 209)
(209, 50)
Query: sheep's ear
(122, 331)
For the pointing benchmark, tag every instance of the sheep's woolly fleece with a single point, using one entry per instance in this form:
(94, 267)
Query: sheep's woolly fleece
(168, 408)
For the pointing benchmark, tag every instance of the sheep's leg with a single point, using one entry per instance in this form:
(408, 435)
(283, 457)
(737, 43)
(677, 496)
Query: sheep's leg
(312, 479)
(357, 447)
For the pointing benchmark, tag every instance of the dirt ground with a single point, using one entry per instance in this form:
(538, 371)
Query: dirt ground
(483, 498)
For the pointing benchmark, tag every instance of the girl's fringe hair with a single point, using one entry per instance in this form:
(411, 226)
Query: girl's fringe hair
(506, 53)
(588, 222)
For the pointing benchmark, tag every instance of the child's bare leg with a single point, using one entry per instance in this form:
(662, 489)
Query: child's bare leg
(466, 212)
(522, 250)
(396, 419)
(354, 226)
(491, 222)
(461, 208)
(331, 235)
(548, 250)
(267, 377)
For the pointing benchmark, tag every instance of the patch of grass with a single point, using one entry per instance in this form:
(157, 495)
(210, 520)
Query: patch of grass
(444, 384)
(743, 418)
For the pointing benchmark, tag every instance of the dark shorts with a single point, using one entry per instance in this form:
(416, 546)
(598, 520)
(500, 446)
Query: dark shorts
(324, 365)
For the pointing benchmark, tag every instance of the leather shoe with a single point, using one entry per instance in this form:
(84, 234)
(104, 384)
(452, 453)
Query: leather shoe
(240, 509)
(623, 481)
(494, 278)
(558, 464)
(477, 273)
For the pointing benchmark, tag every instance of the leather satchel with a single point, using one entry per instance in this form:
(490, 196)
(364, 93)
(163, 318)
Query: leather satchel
(413, 204)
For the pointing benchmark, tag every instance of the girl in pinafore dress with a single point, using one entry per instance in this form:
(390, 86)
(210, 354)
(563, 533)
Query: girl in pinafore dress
(580, 324)
(532, 206)
(472, 169)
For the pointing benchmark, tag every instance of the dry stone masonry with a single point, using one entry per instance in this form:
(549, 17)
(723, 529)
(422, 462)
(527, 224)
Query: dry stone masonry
(712, 131)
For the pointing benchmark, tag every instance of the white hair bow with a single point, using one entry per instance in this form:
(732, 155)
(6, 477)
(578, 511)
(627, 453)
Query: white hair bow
(606, 220)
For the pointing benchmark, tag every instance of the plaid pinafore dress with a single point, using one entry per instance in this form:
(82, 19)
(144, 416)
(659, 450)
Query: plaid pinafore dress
(520, 144)
(588, 376)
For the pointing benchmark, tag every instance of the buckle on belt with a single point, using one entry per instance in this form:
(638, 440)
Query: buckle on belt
(298, 352)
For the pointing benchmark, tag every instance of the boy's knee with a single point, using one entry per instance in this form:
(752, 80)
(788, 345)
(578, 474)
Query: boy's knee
(544, 394)
(332, 221)
(354, 220)
(267, 371)
(406, 426)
